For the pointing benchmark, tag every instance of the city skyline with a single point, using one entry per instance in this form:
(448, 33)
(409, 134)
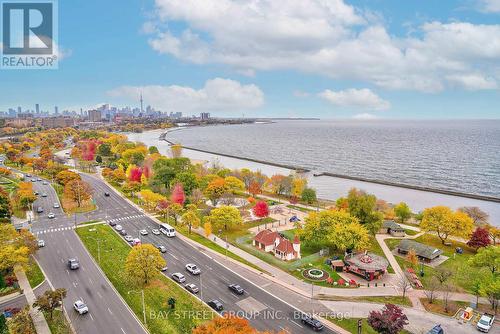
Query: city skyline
(349, 59)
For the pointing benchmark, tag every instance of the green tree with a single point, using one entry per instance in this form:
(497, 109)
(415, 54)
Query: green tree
(309, 195)
(403, 212)
(318, 226)
(98, 159)
(104, 150)
(362, 206)
(188, 181)
(5, 205)
(487, 257)
(153, 150)
(50, 300)
(21, 323)
(225, 216)
(143, 262)
(444, 222)
(490, 288)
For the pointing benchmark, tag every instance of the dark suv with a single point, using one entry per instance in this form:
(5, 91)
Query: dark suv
(216, 305)
(312, 323)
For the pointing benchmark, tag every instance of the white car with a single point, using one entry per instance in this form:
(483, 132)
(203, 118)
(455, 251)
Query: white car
(51, 215)
(129, 238)
(143, 232)
(56, 205)
(155, 231)
(80, 307)
(41, 243)
(178, 277)
(118, 227)
(485, 323)
(193, 269)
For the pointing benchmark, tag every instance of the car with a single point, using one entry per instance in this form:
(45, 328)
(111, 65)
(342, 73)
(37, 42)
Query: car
(36, 193)
(39, 209)
(118, 228)
(106, 194)
(51, 215)
(80, 307)
(143, 232)
(294, 219)
(178, 277)
(56, 206)
(45, 183)
(485, 322)
(192, 288)
(193, 269)
(136, 242)
(73, 264)
(215, 304)
(39, 179)
(164, 268)
(436, 330)
(155, 231)
(44, 194)
(129, 238)
(112, 223)
(236, 289)
(312, 323)
(41, 243)
(33, 180)
(28, 175)
(123, 232)
(162, 249)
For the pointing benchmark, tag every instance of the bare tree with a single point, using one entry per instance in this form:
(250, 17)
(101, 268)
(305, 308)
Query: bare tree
(447, 290)
(443, 274)
(479, 217)
(404, 285)
(431, 291)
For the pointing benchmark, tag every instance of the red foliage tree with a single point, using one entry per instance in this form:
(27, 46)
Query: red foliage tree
(390, 320)
(135, 174)
(178, 195)
(254, 188)
(146, 170)
(480, 238)
(261, 209)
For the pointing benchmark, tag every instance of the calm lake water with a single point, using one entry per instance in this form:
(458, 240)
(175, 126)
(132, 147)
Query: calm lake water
(452, 155)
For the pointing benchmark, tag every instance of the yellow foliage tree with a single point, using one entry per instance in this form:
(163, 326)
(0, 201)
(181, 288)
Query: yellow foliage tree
(298, 186)
(444, 222)
(13, 250)
(207, 227)
(143, 262)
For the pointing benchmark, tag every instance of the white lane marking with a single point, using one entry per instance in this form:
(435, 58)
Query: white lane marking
(175, 257)
(110, 311)
(90, 280)
(99, 294)
(222, 300)
(296, 323)
(75, 284)
(123, 331)
(67, 271)
(91, 317)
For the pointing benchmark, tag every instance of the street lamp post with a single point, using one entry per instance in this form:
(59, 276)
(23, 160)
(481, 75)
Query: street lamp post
(143, 304)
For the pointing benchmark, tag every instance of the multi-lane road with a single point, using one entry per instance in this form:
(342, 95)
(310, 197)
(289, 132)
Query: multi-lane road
(265, 310)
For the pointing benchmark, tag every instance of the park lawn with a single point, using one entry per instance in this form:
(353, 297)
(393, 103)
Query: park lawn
(299, 208)
(58, 324)
(456, 263)
(156, 293)
(34, 273)
(410, 232)
(351, 325)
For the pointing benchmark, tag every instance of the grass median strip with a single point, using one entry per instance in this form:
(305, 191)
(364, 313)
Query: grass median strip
(188, 311)
(34, 273)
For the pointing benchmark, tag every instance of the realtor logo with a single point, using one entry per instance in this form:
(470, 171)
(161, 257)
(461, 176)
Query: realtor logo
(29, 35)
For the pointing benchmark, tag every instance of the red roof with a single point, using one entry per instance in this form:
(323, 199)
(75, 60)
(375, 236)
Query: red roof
(266, 237)
(285, 246)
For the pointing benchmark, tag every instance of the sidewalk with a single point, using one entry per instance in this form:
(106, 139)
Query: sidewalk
(39, 321)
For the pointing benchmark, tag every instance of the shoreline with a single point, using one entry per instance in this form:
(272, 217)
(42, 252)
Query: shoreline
(299, 169)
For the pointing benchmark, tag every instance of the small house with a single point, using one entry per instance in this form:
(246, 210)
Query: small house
(424, 253)
(392, 228)
(276, 243)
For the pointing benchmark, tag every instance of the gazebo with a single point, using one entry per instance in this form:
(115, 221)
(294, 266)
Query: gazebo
(367, 265)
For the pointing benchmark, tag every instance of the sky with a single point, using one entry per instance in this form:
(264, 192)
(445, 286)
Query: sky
(360, 59)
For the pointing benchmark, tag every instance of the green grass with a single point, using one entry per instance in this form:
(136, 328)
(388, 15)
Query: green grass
(299, 208)
(410, 232)
(457, 264)
(34, 274)
(90, 222)
(156, 293)
(58, 324)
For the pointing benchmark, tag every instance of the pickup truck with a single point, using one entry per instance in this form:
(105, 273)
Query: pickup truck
(485, 323)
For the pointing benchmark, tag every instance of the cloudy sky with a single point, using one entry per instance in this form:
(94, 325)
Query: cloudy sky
(359, 59)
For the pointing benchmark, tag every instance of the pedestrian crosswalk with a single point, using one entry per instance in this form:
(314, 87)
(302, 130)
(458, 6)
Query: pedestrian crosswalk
(116, 220)
(52, 230)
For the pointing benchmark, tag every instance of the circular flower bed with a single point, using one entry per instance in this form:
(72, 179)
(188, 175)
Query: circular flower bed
(315, 274)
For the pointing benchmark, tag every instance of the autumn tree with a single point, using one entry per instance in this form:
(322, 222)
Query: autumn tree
(261, 209)
(119, 175)
(254, 188)
(228, 325)
(215, 190)
(348, 236)
(233, 184)
(480, 238)
(21, 323)
(65, 176)
(207, 228)
(5, 205)
(143, 262)
(403, 212)
(176, 150)
(191, 218)
(78, 191)
(188, 181)
(50, 300)
(390, 320)
(444, 222)
(176, 210)
(225, 216)
(298, 186)
(178, 195)
(362, 206)
(12, 250)
(487, 257)
(412, 258)
(150, 198)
